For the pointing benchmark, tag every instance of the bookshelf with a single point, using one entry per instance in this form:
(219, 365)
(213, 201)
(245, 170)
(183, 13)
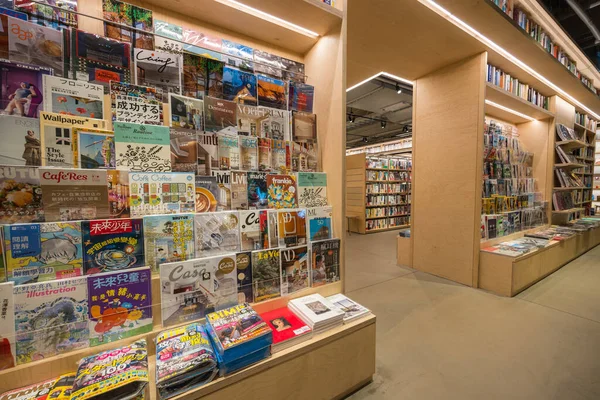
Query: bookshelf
(378, 192)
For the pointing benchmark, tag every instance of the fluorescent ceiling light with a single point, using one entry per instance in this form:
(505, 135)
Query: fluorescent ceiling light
(382, 73)
(479, 36)
(268, 17)
(510, 110)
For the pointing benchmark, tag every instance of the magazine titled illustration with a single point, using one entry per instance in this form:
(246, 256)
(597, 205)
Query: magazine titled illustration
(217, 233)
(156, 193)
(245, 289)
(142, 148)
(238, 55)
(99, 59)
(301, 97)
(274, 124)
(207, 194)
(21, 195)
(319, 222)
(132, 17)
(158, 70)
(72, 97)
(186, 112)
(118, 193)
(266, 274)
(136, 104)
(239, 86)
(291, 227)
(229, 151)
(42, 252)
(295, 269)
(51, 318)
(224, 183)
(21, 90)
(248, 153)
(281, 191)
(7, 327)
(168, 238)
(304, 127)
(312, 189)
(184, 150)
(267, 63)
(257, 190)
(272, 92)
(325, 262)
(239, 190)
(191, 289)
(93, 149)
(219, 115)
(208, 153)
(112, 245)
(20, 138)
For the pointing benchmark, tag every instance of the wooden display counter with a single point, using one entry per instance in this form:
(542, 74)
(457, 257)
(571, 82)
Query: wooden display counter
(508, 276)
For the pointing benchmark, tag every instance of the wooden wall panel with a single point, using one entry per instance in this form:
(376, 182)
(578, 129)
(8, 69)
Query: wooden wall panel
(448, 146)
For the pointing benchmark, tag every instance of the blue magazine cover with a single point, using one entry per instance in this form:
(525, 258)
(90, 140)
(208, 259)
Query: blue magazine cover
(239, 86)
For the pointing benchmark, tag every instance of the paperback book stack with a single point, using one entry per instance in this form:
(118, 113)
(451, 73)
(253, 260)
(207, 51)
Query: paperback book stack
(317, 312)
(352, 310)
(240, 337)
(288, 329)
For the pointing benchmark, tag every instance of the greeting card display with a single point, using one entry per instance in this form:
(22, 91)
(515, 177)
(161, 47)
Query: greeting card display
(156, 193)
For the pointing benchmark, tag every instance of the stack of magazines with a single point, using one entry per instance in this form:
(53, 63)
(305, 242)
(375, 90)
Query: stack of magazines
(318, 312)
(240, 337)
(352, 310)
(185, 359)
(288, 329)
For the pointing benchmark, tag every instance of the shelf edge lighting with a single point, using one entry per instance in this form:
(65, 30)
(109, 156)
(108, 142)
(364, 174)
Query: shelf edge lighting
(268, 17)
(432, 5)
(510, 110)
(382, 73)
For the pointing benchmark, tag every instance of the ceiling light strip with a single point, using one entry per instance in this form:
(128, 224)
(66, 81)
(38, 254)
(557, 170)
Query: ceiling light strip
(268, 17)
(510, 110)
(479, 36)
(382, 73)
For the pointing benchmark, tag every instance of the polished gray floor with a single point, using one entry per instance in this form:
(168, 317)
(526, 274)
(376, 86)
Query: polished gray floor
(440, 340)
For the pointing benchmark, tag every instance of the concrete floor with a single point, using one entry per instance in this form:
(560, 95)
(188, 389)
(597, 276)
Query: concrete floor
(440, 340)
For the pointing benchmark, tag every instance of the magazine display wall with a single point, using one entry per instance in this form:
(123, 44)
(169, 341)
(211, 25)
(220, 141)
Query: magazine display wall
(207, 27)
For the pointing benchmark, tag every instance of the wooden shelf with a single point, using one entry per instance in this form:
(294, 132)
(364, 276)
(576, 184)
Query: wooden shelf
(504, 98)
(385, 193)
(568, 165)
(388, 181)
(388, 205)
(571, 144)
(566, 189)
(569, 211)
(387, 229)
(388, 216)
(584, 158)
(386, 169)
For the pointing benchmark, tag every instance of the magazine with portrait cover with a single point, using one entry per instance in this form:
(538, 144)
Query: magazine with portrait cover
(288, 329)
(98, 59)
(239, 86)
(352, 310)
(239, 190)
(142, 148)
(282, 161)
(93, 149)
(208, 153)
(319, 223)
(274, 124)
(71, 194)
(292, 70)
(229, 151)
(7, 327)
(264, 154)
(219, 115)
(304, 127)
(325, 262)
(158, 70)
(217, 233)
(155, 193)
(118, 193)
(51, 318)
(21, 90)
(72, 97)
(295, 269)
(301, 97)
(238, 55)
(112, 245)
(267, 63)
(20, 195)
(251, 238)
(281, 191)
(120, 373)
(184, 150)
(290, 229)
(132, 17)
(195, 76)
(266, 274)
(312, 189)
(248, 153)
(120, 304)
(304, 157)
(186, 112)
(207, 194)
(245, 288)
(193, 288)
(224, 183)
(168, 238)
(136, 104)
(185, 359)
(36, 391)
(272, 92)
(168, 37)
(20, 138)
(44, 251)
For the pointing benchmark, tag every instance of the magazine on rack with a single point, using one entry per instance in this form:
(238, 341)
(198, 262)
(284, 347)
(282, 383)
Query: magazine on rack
(295, 269)
(249, 120)
(288, 329)
(207, 193)
(184, 150)
(224, 183)
(239, 86)
(274, 124)
(161, 193)
(72, 97)
(208, 153)
(21, 89)
(128, 16)
(248, 153)
(319, 223)
(239, 190)
(37, 391)
(245, 289)
(325, 262)
(20, 138)
(136, 104)
(20, 195)
(238, 55)
(217, 233)
(312, 189)
(118, 193)
(250, 230)
(7, 327)
(168, 37)
(282, 191)
(257, 190)
(301, 97)
(168, 238)
(142, 148)
(186, 112)
(290, 229)
(93, 149)
(219, 115)
(266, 274)
(158, 70)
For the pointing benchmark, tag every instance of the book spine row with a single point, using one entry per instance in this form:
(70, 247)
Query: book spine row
(564, 200)
(586, 121)
(380, 224)
(501, 204)
(503, 224)
(388, 200)
(385, 188)
(387, 176)
(388, 211)
(499, 78)
(384, 163)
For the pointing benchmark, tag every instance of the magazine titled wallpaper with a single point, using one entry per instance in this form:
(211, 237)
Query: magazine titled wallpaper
(71, 97)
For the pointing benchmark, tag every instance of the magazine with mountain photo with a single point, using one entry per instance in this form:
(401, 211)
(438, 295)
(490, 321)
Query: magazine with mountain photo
(136, 104)
(239, 86)
(20, 195)
(295, 269)
(184, 150)
(216, 233)
(312, 189)
(168, 238)
(325, 262)
(158, 70)
(21, 144)
(73, 97)
(93, 149)
(239, 190)
(266, 274)
(7, 327)
(161, 193)
(142, 148)
(186, 112)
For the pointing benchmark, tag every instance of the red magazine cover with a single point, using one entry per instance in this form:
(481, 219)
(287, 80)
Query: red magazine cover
(285, 324)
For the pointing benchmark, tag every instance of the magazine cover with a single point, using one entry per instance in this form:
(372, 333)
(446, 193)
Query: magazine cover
(191, 289)
(202, 44)
(285, 325)
(245, 288)
(195, 76)
(120, 305)
(111, 245)
(158, 70)
(281, 162)
(239, 86)
(72, 194)
(42, 252)
(184, 150)
(219, 115)
(301, 97)
(312, 189)
(7, 326)
(214, 73)
(270, 233)
(186, 112)
(249, 120)
(118, 193)
(51, 318)
(70, 97)
(100, 60)
(291, 227)
(295, 268)
(224, 182)
(292, 70)
(52, 16)
(131, 16)
(93, 149)
(304, 127)
(272, 92)
(168, 238)
(257, 190)
(325, 262)
(21, 89)
(274, 124)
(136, 104)
(116, 373)
(304, 157)
(240, 319)
(319, 223)
(250, 232)
(281, 191)
(32, 392)
(239, 190)
(351, 309)
(229, 151)
(266, 274)
(168, 37)
(248, 153)
(238, 55)
(56, 134)
(217, 233)
(20, 195)
(207, 194)
(142, 148)
(267, 63)
(168, 193)
(20, 138)
(264, 154)
(208, 153)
